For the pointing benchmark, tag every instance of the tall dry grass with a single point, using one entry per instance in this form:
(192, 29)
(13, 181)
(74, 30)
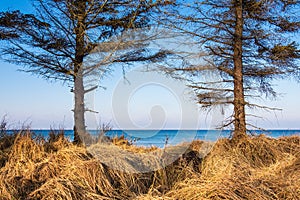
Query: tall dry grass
(58, 169)
(255, 168)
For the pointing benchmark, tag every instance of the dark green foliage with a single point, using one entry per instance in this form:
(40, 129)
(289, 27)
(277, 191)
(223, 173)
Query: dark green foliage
(45, 43)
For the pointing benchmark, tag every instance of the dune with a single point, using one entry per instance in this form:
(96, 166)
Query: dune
(256, 168)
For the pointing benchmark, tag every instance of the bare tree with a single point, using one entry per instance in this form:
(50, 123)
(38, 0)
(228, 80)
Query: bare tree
(56, 41)
(246, 43)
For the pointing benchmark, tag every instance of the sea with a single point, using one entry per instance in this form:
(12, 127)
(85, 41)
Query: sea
(162, 138)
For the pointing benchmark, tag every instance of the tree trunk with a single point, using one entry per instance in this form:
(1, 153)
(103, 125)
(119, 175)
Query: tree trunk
(239, 98)
(79, 108)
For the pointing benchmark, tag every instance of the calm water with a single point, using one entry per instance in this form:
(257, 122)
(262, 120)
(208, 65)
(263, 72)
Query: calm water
(171, 137)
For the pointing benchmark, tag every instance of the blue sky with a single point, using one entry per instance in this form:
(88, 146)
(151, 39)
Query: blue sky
(28, 99)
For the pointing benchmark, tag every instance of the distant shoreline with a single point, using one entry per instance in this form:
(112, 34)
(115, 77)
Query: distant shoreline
(160, 138)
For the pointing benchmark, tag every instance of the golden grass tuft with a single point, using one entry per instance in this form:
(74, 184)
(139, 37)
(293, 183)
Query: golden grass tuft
(125, 144)
(69, 172)
(255, 168)
(57, 169)
(6, 144)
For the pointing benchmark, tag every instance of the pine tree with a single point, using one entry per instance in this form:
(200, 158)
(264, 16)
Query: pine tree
(55, 41)
(247, 43)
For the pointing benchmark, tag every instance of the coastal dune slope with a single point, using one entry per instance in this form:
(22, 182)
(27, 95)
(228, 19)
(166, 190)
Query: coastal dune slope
(255, 168)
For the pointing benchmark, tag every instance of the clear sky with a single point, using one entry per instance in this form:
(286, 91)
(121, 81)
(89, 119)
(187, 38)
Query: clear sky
(149, 100)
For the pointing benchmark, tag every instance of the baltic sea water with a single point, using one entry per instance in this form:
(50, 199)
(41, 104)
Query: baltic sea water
(161, 138)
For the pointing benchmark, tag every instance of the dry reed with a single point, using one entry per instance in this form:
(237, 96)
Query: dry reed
(255, 168)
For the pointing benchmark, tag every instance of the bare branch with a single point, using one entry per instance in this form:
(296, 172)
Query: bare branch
(92, 111)
(90, 89)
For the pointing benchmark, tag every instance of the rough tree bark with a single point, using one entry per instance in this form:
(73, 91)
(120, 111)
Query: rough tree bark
(79, 108)
(239, 98)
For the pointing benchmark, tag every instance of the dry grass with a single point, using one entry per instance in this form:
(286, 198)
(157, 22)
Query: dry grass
(61, 170)
(57, 169)
(256, 168)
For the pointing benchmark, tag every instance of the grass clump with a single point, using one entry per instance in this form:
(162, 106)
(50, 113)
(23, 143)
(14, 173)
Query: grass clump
(43, 170)
(6, 142)
(255, 168)
(58, 169)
